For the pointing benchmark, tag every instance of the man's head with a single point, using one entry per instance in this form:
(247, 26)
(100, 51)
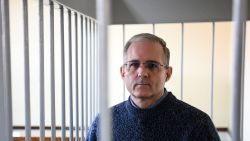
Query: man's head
(146, 67)
(152, 38)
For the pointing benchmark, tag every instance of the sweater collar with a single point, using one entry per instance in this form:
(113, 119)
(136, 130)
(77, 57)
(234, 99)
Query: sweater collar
(152, 112)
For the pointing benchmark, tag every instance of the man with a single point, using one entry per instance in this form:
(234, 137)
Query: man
(151, 113)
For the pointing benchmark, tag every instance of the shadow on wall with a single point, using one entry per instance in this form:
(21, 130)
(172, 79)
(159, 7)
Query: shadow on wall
(171, 11)
(123, 13)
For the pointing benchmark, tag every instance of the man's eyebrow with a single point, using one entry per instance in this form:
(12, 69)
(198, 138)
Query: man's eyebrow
(152, 61)
(134, 60)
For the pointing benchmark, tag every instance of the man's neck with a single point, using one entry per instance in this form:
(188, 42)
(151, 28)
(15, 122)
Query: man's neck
(144, 103)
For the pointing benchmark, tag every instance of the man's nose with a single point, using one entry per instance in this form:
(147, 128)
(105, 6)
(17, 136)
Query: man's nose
(142, 71)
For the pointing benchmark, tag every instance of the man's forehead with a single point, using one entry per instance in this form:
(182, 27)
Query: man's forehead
(144, 41)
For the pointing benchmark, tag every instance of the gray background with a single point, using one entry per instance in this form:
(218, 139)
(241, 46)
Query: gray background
(160, 11)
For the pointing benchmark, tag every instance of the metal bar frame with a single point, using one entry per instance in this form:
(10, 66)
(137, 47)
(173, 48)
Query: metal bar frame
(26, 72)
(103, 16)
(52, 72)
(123, 44)
(86, 76)
(70, 78)
(212, 73)
(92, 70)
(182, 59)
(88, 94)
(41, 45)
(63, 132)
(98, 67)
(82, 83)
(5, 74)
(76, 72)
(95, 62)
(239, 21)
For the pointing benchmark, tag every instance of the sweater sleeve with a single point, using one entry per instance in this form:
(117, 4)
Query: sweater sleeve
(92, 132)
(204, 131)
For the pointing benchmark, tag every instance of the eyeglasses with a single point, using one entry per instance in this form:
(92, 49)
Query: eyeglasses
(151, 65)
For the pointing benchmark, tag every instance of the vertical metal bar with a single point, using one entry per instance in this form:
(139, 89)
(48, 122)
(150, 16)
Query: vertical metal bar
(103, 17)
(182, 58)
(88, 73)
(95, 69)
(76, 71)
(52, 71)
(212, 73)
(86, 76)
(98, 67)
(41, 37)
(70, 79)
(95, 64)
(123, 44)
(26, 72)
(5, 74)
(239, 19)
(153, 30)
(62, 73)
(82, 78)
(90, 70)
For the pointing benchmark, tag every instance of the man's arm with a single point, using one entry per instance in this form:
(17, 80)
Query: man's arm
(205, 131)
(93, 130)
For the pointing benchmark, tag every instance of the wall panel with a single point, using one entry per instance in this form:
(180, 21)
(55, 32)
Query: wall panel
(115, 61)
(222, 73)
(197, 64)
(246, 115)
(172, 34)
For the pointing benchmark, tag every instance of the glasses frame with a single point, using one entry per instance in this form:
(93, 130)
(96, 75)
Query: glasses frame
(128, 68)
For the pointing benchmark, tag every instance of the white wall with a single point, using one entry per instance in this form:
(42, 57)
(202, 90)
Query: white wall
(246, 111)
(197, 69)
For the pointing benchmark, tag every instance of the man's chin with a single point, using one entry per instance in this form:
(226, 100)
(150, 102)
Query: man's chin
(141, 95)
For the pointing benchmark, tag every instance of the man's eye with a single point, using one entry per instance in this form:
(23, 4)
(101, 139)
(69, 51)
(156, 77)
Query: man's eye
(134, 65)
(152, 66)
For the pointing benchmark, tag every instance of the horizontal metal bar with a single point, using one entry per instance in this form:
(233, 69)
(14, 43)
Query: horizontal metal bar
(46, 128)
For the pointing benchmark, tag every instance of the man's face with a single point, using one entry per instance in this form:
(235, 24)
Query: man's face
(145, 81)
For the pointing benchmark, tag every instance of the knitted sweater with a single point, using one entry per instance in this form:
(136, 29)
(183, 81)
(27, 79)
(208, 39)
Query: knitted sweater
(170, 120)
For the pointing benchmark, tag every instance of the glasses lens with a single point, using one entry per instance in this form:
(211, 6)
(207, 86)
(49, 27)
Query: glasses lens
(152, 66)
(131, 66)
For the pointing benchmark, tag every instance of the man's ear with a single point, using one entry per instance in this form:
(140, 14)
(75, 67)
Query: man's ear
(122, 72)
(168, 73)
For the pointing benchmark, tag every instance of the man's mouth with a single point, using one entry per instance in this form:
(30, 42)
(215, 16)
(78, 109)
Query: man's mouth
(142, 84)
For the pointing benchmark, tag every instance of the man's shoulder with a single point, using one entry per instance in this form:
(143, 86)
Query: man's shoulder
(119, 106)
(184, 108)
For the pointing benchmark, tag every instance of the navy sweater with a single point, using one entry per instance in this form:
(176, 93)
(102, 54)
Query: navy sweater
(170, 120)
